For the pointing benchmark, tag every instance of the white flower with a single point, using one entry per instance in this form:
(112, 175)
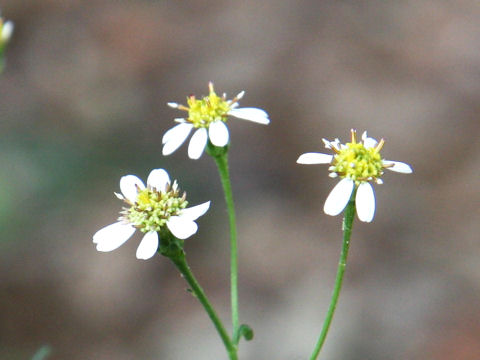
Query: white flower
(208, 117)
(154, 209)
(357, 164)
(6, 30)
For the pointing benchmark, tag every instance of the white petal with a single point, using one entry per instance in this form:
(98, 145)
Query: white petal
(314, 158)
(369, 142)
(172, 132)
(240, 95)
(7, 30)
(218, 133)
(175, 137)
(335, 144)
(197, 143)
(129, 185)
(158, 179)
(251, 114)
(194, 212)
(365, 202)
(327, 143)
(112, 236)
(339, 197)
(148, 246)
(181, 227)
(398, 166)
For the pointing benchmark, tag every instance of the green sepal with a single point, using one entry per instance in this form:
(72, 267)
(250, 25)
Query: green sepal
(216, 151)
(169, 245)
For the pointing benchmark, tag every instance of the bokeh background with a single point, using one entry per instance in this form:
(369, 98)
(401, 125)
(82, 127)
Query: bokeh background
(83, 102)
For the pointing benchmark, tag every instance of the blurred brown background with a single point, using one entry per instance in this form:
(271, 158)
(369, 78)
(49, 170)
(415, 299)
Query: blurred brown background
(83, 103)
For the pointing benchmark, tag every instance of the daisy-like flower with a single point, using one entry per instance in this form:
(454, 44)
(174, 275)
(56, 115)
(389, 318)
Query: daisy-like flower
(6, 30)
(208, 117)
(156, 209)
(357, 164)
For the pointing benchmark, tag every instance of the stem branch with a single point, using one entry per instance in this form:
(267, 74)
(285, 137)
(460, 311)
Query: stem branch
(182, 265)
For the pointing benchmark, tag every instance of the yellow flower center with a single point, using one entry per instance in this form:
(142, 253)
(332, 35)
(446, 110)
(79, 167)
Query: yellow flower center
(201, 113)
(357, 162)
(153, 208)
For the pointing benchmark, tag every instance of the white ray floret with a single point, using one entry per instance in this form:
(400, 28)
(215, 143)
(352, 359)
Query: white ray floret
(251, 114)
(218, 133)
(365, 200)
(129, 185)
(175, 137)
(113, 236)
(314, 158)
(197, 143)
(182, 227)
(339, 197)
(158, 179)
(397, 166)
(148, 246)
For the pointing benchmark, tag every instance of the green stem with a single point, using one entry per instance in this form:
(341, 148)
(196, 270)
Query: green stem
(222, 164)
(182, 265)
(347, 232)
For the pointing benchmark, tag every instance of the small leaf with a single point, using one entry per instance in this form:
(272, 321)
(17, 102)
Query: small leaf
(246, 331)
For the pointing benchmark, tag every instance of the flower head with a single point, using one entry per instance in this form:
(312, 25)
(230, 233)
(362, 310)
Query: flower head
(157, 209)
(208, 117)
(6, 30)
(357, 164)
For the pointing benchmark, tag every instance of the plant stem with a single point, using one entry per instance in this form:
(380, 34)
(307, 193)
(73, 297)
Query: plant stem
(347, 232)
(222, 164)
(182, 265)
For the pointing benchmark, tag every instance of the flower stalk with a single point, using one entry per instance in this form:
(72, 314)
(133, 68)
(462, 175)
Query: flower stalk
(342, 263)
(181, 263)
(220, 155)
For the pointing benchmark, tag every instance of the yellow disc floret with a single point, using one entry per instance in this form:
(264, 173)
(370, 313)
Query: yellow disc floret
(153, 208)
(357, 162)
(211, 108)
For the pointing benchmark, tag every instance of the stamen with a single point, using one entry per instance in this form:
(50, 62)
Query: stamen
(210, 87)
(354, 136)
(379, 145)
(334, 148)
